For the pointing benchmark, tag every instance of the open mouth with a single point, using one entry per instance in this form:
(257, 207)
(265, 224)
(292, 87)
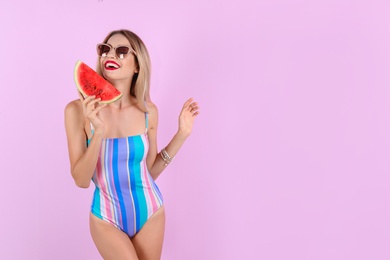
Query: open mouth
(111, 65)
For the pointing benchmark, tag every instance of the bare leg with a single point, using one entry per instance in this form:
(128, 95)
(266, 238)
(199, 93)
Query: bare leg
(112, 243)
(148, 241)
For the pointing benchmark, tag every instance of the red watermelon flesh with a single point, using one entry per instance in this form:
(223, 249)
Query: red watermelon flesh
(89, 83)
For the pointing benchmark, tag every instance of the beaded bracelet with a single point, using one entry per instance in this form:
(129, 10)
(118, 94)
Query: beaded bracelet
(165, 156)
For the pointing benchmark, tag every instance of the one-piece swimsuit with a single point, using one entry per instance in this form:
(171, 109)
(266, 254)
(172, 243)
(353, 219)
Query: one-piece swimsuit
(125, 194)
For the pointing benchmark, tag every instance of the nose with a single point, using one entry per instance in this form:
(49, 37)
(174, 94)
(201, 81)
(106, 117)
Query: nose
(111, 53)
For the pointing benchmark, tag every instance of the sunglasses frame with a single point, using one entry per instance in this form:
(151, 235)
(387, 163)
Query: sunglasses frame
(131, 50)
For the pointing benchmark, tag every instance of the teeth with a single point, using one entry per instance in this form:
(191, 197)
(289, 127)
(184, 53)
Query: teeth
(111, 65)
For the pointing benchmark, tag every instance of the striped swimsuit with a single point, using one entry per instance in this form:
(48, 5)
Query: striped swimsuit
(125, 195)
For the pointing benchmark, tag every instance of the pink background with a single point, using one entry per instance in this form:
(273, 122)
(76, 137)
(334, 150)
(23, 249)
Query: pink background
(289, 158)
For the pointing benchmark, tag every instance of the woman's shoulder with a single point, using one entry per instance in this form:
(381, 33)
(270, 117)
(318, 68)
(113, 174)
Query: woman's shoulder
(152, 108)
(73, 107)
(152, 114)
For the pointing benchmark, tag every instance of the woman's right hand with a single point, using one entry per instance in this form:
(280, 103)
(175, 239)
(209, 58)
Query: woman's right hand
(91, 109)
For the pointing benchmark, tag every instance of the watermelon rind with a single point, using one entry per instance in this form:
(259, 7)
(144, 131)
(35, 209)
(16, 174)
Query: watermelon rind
(80, 88)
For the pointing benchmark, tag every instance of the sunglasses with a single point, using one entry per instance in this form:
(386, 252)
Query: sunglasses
(120, 51)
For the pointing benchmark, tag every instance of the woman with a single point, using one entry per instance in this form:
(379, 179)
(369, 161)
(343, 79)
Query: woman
(115, 145)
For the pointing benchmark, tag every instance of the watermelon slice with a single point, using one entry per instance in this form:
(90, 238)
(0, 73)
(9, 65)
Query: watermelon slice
(90, 83)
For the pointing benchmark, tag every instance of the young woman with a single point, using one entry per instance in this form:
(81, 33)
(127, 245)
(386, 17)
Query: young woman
(115, 146)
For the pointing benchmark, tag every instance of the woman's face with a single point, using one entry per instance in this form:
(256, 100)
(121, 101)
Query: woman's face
(114, 68)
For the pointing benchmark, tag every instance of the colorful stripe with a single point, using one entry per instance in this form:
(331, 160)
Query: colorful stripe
(125, 194)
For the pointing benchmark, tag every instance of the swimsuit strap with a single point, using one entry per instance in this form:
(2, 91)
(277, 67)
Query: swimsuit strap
(146, 122)
(92, 131)
(146, 119)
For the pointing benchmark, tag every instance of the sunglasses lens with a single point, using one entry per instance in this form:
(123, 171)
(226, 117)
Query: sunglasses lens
(122, 51)
(103, 50)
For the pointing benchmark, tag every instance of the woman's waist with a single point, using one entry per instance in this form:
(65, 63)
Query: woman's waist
(113, 175)
(114, 190)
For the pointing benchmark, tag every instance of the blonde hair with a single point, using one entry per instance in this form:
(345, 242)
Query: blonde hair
(141, 81)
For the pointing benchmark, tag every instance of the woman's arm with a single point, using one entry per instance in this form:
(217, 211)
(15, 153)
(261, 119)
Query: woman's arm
(83, 160)
(155, 162)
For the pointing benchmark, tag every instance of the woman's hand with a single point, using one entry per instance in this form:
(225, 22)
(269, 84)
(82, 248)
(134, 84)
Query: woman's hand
(91, 108)
(187, 116)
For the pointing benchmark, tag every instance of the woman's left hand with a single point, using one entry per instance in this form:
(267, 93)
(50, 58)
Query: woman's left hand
(187, 116)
